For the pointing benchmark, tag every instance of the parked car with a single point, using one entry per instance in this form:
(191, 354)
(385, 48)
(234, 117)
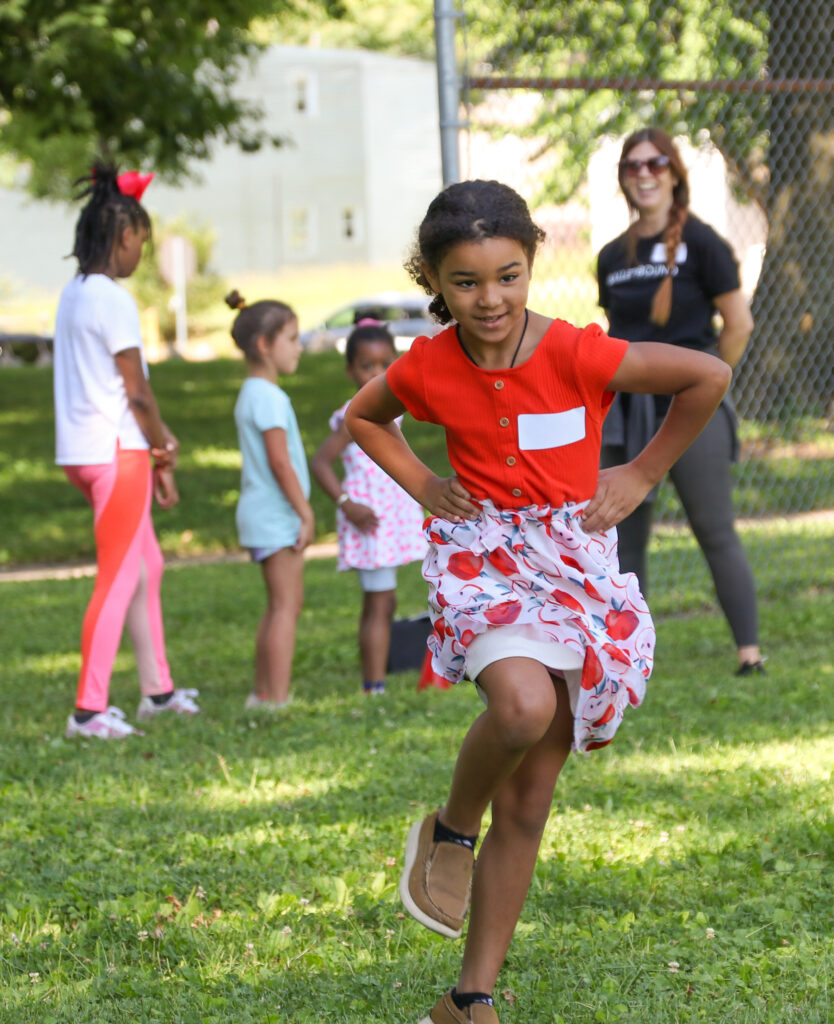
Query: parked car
(406, 314)
(25, 347)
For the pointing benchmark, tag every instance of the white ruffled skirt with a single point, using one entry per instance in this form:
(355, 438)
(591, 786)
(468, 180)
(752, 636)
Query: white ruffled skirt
(531, 583)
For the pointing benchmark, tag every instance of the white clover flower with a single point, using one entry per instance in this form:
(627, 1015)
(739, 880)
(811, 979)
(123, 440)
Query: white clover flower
(142, 936)
(674, 966)
(710, 933)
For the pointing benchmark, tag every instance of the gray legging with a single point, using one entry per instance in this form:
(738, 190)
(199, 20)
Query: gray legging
(702, 478)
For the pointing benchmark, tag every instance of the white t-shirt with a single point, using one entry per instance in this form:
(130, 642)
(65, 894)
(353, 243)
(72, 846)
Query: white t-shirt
(96, 318)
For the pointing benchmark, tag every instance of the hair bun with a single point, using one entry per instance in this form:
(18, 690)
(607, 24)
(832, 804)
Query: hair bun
(234, 300)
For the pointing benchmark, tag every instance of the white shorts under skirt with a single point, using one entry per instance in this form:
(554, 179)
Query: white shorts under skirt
(373, 581)
(521, 642)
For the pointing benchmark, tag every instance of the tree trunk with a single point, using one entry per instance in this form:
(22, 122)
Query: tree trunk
(789, 369)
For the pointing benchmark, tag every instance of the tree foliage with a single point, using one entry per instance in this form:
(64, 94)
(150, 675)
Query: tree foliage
(146, 83)
(748, 64)
(390, 26)
(622, 42)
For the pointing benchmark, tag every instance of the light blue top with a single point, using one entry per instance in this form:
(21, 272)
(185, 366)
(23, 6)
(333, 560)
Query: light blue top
(264, 516)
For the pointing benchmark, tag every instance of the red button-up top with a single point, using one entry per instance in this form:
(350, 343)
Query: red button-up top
(529, 435)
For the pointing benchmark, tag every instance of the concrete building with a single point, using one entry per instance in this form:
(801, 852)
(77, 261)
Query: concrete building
(360, 163)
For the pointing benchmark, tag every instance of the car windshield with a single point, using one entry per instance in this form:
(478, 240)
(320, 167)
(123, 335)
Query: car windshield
(344, 318)
(384, 312)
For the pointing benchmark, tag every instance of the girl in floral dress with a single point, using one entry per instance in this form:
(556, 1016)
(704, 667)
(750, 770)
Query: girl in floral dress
(379, 526)
(524, 588)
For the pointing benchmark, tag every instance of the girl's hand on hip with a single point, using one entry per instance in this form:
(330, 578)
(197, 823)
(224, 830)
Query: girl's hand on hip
(447, 498)
(619, 491)
(165, 487)
(362, 516)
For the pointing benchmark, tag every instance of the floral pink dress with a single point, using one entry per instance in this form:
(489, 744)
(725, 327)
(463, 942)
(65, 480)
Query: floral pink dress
(399, 537)
(535, 573)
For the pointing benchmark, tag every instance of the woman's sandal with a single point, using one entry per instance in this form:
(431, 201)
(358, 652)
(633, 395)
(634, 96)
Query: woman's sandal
(751, 668)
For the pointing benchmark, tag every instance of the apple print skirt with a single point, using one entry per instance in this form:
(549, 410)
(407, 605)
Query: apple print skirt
(531, 583)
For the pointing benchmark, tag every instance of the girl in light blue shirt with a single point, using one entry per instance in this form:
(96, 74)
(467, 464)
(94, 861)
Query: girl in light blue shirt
(274, 517)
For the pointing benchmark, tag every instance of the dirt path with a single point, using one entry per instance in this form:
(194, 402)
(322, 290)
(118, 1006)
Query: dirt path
(64, 571)
(70, 571)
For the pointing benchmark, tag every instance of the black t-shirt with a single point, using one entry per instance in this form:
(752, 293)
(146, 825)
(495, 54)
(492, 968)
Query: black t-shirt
(706, 267)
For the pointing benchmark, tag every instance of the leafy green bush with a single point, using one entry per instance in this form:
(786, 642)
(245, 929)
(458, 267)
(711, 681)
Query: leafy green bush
(152, 290)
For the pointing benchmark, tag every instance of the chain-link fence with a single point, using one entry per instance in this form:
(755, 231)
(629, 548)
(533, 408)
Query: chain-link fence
(550, 89)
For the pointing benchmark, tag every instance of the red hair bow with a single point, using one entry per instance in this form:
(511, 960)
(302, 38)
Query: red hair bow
(134, 183)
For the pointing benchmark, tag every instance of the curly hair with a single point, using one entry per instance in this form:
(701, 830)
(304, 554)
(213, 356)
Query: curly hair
(101, 222)
(468, 211)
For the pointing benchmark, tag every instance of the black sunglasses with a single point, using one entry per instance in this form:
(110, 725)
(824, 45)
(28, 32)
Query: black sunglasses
(656, 165)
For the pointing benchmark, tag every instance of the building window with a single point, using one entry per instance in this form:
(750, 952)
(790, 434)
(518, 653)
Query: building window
(351, 225)
(348, 223)
(301, 99)
(303, 94)
(301, 235)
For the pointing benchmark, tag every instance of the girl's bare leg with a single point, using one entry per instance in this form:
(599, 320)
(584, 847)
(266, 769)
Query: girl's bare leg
(375, 633)
(275, 639)
(508, 853)
(522, 703)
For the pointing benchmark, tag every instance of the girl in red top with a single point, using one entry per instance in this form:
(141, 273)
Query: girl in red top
(524, 589)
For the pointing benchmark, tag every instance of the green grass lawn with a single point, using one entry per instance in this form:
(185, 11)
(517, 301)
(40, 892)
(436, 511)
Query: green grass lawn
(45, 519)
(235, 868)
(242, 868)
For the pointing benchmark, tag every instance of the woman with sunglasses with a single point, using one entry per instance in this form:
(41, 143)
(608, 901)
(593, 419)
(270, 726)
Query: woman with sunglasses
(665, 278)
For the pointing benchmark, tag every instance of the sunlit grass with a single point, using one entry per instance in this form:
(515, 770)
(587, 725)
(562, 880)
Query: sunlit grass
(45, 519)
(244, 867)
(224, 458)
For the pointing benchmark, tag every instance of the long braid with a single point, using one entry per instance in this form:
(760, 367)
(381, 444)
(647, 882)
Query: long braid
(662, 300)
(631, 244)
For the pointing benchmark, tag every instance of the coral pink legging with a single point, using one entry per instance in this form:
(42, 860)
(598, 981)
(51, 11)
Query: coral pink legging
(128, 581)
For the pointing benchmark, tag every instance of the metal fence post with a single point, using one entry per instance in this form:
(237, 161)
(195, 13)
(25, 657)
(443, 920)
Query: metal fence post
(448, 89)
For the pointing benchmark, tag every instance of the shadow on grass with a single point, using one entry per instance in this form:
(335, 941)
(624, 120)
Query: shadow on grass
(711, 810)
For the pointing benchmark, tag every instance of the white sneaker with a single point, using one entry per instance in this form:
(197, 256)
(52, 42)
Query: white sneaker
(181, 703)
(105, 725)
(255, 703)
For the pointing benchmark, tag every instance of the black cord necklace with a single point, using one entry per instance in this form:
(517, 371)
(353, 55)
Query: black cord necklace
(472, 359)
